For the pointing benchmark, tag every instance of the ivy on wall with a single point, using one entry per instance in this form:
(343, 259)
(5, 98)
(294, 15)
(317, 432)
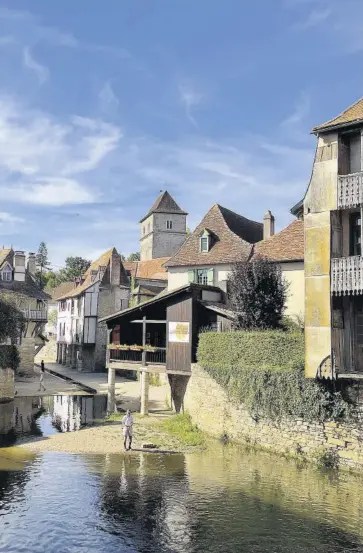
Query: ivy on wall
(9, 357)
(264, 370)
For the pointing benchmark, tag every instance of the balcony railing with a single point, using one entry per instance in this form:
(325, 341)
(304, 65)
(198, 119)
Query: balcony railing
(350, 190)
(157, 357)
(35, 314)
(347, 275)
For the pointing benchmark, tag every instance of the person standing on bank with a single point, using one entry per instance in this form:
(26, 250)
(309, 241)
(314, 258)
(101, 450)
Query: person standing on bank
(41, 377)
(127, 423)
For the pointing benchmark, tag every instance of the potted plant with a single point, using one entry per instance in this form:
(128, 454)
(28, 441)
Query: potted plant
(135, 347)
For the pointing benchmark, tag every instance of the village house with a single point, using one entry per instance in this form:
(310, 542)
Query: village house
(104, 289)
(18, 286)
(333, 249)
(224, 237)
(54, 294)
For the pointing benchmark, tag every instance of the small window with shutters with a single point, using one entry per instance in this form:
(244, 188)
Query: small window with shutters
(355, 234)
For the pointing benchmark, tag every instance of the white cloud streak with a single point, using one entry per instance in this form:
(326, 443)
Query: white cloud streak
(190, 99)
(302, 109)
(108, 99)
(315, 18)
(41, 72)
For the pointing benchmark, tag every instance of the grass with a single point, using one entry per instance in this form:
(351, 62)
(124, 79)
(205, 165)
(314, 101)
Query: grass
(182, 428)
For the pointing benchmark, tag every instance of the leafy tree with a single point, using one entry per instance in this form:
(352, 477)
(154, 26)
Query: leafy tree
(75, 268)
(257, 294)
(11, 320)
(42, 264)
(134, 256)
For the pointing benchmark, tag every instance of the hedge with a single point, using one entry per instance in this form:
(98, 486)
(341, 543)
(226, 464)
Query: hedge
(9, 357)
(264, 370)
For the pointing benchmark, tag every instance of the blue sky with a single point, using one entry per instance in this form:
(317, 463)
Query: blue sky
(104, 104)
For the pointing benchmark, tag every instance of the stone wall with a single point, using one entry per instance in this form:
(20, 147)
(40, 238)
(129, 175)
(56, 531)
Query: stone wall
(26, 352)
(210, 409)
(7, 388)
(48, 352)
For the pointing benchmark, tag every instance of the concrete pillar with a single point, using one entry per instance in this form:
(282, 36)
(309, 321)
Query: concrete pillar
(111, 391)
(144, 378)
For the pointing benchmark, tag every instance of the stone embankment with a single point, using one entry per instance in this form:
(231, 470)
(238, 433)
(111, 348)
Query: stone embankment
(332, 443)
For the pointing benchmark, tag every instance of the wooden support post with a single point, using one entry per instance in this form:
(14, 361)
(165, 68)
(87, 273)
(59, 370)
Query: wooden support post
(143, 356)
(111, 390)
(144, 377)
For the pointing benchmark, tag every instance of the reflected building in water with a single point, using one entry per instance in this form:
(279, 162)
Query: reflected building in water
(71, 413)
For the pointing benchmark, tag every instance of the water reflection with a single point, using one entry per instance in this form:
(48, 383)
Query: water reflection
(34, 416)
(226, 500)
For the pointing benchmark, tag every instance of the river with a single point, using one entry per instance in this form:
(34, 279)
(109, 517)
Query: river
(227, 499)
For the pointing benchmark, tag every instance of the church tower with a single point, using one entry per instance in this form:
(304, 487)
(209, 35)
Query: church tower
(163, 229)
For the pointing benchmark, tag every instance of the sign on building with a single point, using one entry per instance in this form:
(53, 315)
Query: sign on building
(179, 332)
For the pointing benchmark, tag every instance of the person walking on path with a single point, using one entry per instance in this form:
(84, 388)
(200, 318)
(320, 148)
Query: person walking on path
(41, 377)
(127, 423)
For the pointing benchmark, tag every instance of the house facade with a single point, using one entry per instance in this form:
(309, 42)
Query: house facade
(18, 286)
(333, 249)
(224, 237)
(81, 340)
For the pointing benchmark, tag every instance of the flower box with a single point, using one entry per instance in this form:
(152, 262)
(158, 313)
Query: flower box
(135, 348)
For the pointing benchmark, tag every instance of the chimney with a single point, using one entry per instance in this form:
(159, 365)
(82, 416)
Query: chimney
(31, 264)
(19, 266)
(115, 269)
(268, 225)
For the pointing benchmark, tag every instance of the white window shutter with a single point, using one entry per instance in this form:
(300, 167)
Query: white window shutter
(191, 276)
(210, 277)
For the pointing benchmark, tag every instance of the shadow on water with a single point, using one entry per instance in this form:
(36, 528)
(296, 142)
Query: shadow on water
(27, 417)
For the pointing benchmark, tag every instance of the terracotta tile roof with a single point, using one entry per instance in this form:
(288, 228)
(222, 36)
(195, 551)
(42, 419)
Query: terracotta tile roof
(353, 114)
(153, 268)
(286, 245)
(103, 261)
(232, 236)
(60, 290)
(164, 203)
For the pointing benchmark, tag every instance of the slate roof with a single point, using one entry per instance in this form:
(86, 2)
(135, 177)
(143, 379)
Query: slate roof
(151, 269)
(350, 116)
(232, 239)
(286, 245)
(164, 203)
(26, 288)
(6, 254)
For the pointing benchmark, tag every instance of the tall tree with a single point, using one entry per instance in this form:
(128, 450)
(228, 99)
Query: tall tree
(75, 268)
(42, 263)
(134, 256)
(257, 294)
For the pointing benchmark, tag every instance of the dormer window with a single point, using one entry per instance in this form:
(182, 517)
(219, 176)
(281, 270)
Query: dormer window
(7, 273)
(205, 241)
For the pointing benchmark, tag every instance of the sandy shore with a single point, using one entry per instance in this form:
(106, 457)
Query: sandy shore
(107, 438)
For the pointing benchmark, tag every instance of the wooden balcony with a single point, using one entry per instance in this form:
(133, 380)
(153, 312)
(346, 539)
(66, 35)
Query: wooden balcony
(350, 190)
(347, 275)
(38, 315)
(122, 357)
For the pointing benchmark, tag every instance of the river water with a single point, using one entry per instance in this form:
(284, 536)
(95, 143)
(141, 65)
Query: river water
(227, 499)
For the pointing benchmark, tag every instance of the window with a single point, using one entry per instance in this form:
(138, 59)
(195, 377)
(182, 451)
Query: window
(355, 245)
(204, 244)
(169, 224)
(6, 275)
(143, 230)
(148, 227)
(350, 153)
(202, 276)
(63, 305)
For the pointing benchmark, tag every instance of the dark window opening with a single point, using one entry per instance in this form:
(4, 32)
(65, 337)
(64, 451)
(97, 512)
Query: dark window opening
(355, 246)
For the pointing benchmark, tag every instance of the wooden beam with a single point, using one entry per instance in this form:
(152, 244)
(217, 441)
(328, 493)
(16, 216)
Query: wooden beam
(150, 321)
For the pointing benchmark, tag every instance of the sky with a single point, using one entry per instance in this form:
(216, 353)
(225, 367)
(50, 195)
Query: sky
(105, 104)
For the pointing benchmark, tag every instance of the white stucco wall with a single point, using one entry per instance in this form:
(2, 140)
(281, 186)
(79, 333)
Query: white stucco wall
(292, 272)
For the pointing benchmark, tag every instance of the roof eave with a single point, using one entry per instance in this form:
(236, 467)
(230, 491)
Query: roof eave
(332, 127)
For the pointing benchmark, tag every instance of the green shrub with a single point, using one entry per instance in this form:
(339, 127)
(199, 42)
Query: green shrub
(264, 370)
(182, 427)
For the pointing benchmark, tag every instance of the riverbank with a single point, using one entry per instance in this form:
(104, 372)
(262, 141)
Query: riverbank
(169, 433)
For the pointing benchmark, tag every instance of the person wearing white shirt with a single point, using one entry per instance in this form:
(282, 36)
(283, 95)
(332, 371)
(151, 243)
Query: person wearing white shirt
(127, 423)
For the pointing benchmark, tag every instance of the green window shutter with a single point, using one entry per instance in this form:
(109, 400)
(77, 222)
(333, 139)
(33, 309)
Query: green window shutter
(210, 277)
(191, 276)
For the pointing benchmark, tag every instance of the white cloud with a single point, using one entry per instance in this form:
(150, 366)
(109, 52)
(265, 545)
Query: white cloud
(9, 223)
(39, 156)
(108, 99)
(315, 18)
(49, 191)
(41, 72)
(190, 99)
(302, 109)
